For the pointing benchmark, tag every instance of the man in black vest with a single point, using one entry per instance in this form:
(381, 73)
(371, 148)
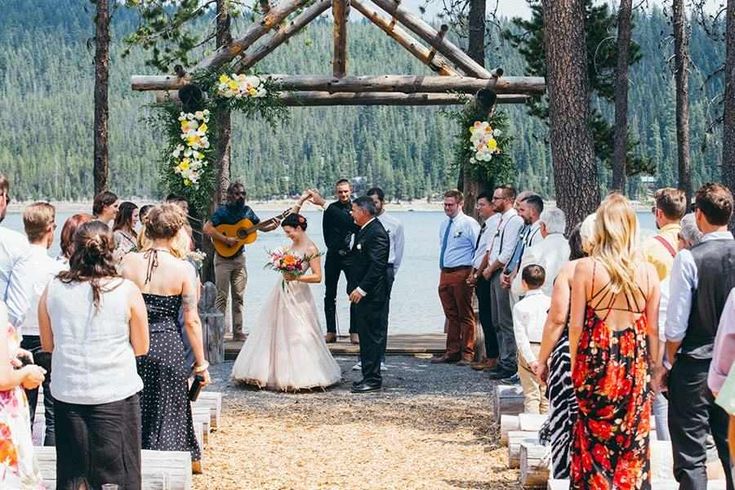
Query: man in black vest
(701, 279)
(368, 290)
(338, 228)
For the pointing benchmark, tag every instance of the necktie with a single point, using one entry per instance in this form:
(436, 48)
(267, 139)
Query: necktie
(445, 240)
(479, 237)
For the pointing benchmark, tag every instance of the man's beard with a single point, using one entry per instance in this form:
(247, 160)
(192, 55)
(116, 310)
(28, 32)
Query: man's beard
(239, 202)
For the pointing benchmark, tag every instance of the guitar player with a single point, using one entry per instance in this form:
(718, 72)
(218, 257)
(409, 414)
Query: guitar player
(231, 272)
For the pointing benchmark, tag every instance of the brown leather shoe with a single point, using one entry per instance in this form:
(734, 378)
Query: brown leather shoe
(354, 338)
(330, 338)
(466, 361)
(444, 360)
(484, 365)
(238, 336)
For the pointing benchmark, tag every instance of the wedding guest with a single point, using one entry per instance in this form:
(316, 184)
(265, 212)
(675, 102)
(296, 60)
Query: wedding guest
(104, 207)
(490, 220)
(554, 365)
(20, 469)
(457, 238)
(179, 201)
(529, 207)
(688, 236)
(552, 252)
(338, 229)
(500, 250)
(166, 284)
(660, 249)
(14, 251)
(144, 212)
(67, 236)
(701, 279)
(126, 238)
(613, 338)
(529, 315)
(94, 324)
(39, 221)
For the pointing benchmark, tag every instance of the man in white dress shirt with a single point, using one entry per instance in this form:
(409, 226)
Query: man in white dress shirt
(39, 221)
(529, 207)
(13, 251)
(501, 244)
(551, 253)
(457, 238)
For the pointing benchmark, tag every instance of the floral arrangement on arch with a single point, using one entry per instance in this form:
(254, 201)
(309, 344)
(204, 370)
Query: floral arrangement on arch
(484, 144)
(188, 164)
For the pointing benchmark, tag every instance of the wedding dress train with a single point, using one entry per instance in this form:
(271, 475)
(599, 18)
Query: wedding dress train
(285, 349)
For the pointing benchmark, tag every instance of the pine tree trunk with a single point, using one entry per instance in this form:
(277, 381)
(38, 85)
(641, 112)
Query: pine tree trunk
(728, 119)
(625, 12)
(681, 74)
(575, 172)
(470, 182)
(101, 106)
(223, 137)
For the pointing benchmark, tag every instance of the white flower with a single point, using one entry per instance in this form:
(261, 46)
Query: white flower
(497, 132)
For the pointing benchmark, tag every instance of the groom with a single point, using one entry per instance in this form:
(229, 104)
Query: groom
(368, 291)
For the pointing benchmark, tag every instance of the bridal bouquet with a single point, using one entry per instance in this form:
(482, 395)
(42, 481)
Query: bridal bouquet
(285, 261)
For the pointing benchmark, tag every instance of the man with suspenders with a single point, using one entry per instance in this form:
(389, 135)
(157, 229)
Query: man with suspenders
(659, 250)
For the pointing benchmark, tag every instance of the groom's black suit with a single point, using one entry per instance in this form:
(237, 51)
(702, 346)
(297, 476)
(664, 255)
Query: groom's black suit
(369, 260)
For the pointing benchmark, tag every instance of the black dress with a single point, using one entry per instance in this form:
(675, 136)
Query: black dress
(165, 408)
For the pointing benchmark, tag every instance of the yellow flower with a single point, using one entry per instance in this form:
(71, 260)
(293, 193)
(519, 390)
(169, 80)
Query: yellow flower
(232, 84)
(224, 79)
(252, 91)
(184, 165)
(492, 144)
(193, 140)
(203, 128)
(187, 182)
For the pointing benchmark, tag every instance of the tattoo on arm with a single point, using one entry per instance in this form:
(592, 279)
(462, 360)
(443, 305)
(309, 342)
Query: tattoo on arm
(189, 301)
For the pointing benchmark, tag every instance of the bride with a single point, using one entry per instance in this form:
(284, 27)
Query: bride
(286, 349)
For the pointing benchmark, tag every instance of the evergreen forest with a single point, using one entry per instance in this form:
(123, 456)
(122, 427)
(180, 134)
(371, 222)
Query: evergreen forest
(46, 112)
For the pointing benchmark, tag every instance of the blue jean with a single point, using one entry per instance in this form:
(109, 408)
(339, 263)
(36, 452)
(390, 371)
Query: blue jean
(660, 410)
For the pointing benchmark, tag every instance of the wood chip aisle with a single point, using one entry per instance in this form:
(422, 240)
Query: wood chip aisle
(431, 428)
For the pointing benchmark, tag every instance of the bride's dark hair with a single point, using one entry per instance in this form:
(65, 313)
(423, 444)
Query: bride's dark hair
(294, 220)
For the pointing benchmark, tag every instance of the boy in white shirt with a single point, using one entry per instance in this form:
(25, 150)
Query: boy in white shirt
(529, 315)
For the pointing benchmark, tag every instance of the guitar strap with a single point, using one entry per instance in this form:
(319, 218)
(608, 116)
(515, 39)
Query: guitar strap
(666, 245)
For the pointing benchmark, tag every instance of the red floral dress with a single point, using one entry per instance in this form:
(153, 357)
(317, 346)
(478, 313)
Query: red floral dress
(611, 378)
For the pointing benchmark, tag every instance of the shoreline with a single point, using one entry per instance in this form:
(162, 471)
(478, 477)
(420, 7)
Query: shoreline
(277, 205)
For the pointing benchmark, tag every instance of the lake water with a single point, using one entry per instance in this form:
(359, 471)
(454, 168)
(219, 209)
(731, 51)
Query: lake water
(415, 306)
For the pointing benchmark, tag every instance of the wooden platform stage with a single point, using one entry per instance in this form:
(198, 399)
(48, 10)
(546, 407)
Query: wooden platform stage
(400, 344)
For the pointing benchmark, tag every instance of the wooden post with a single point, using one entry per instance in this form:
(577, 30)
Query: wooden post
(402, 37)
(340, 12)
(254, 32)
(282, 35)
(213, 325)
(419, 27)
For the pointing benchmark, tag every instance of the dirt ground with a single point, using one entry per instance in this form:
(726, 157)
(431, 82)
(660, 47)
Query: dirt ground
(431, 428)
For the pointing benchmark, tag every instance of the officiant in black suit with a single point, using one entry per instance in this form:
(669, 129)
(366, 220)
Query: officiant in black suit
(367, 287)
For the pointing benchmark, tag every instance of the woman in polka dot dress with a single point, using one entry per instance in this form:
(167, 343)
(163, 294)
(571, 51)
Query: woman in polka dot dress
(167, 286)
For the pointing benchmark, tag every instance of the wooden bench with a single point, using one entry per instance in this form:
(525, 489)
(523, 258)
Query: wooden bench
(515, 438)
(534, 472)
(523, 421)
(200, 415)
(161, 470)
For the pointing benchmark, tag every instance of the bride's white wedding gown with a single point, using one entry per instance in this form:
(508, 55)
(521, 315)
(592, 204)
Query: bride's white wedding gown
(285, 349)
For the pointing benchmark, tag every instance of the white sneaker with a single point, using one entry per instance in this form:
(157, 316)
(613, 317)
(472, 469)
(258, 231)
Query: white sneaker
(358, 366)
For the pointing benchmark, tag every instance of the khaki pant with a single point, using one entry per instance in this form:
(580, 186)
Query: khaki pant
(231, 273)
(534, 392)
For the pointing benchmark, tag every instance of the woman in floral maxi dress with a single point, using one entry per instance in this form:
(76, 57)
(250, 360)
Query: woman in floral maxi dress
(613, 342)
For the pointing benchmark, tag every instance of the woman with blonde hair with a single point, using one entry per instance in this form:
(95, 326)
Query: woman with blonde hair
(613, 342)
(553, 365)
(165, 281)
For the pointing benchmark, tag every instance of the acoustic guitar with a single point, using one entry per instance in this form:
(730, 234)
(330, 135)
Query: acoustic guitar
(244, 231)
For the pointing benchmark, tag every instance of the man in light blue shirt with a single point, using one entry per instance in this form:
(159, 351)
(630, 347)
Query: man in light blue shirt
(457, 237)
(14, 251)
(701, 279)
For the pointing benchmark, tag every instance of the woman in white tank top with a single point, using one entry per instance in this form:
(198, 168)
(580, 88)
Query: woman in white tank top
(94, 324)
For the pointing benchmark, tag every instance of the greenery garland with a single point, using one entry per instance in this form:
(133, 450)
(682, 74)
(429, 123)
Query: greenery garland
(188, 162)
(483, 143)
